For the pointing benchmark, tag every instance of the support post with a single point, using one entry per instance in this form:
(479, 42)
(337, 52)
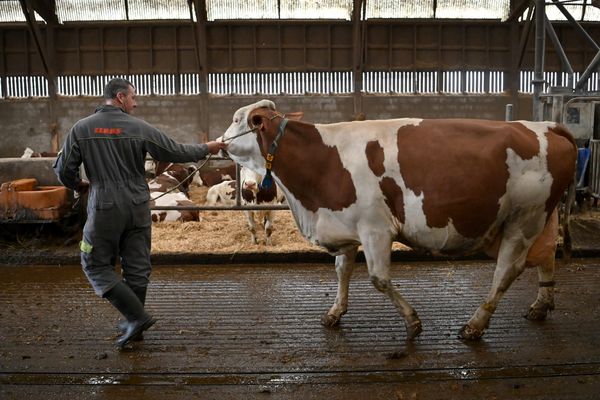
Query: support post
(540, 48)
(357, 59)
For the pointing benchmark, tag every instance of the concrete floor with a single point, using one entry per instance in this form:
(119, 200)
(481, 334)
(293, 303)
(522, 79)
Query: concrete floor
(254, 332)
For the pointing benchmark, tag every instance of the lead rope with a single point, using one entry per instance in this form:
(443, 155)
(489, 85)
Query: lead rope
(196, 169)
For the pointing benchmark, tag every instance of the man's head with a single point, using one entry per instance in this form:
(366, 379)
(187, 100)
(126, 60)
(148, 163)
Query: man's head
(120, 93)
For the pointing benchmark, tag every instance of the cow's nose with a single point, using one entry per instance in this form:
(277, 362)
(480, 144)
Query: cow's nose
(250, 185)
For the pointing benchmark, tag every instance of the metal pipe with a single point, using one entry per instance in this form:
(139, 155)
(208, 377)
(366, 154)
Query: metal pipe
(572, 20)
(508, 116)
(224, 208)
(588, 72)
(540, 41)
(560, 51)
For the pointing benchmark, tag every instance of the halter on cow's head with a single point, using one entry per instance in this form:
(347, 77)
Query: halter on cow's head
(244, 137)
(253, 132)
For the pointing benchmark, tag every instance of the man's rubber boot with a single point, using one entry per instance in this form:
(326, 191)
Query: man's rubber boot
(122, 324)
(138, 320)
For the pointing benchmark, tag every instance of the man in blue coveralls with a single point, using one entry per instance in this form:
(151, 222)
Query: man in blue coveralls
(112, 146)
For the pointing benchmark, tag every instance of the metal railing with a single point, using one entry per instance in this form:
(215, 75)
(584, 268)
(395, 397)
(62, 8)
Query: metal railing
(238, 202)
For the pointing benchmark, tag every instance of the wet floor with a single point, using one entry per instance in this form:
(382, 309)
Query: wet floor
(253, 332)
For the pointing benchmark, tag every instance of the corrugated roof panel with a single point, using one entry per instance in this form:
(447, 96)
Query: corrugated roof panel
(575, 8)
(90, 10)
(249, 9)
(158, 9)
(11, 11)
(317, 9)
(473, 9)
(400, 9)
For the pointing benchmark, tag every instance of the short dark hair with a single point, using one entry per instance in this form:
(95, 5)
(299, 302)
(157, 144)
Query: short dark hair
(115, 86)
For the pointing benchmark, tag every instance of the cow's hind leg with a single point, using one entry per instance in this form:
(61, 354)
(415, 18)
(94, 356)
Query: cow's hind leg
(344, 265)
(545, 297)
(377, 248)
(542, 254)
(516, 242)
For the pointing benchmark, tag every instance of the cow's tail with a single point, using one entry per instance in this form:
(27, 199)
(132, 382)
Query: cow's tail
(565, 221)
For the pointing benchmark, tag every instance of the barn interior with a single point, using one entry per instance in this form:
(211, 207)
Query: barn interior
(194, 63)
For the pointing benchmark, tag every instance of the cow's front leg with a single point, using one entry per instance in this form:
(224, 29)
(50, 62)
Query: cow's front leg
(545, 297)
(268, 223)
(378, 248)
(251, 225)
(344, 264)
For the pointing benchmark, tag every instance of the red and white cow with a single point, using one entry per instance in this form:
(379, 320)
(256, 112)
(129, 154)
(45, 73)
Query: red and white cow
(217, 175)
(253, 193)
(170, 189)
(173, 199)
(170, 175)
(221, 193)
(449, 186)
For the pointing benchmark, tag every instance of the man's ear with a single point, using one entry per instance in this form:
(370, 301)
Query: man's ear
(295, 116)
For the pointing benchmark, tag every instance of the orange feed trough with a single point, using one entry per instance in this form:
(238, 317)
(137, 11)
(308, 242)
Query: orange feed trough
(22, 200)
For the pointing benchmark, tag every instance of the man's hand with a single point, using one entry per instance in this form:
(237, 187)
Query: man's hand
(82, 187)
(214, 147)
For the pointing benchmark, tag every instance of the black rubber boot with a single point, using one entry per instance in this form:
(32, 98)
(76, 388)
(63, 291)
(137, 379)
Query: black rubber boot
(122, 324)
(138, 320)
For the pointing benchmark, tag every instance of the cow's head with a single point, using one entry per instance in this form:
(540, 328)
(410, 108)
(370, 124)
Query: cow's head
(252, 131)
(250, 179)
(242, 137)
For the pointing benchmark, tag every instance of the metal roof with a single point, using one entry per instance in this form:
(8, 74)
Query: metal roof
(124, 10)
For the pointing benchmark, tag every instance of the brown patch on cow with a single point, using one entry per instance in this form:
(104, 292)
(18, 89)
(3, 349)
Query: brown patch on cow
(562, 159)
(266, 195)
(393, 197)
(312, 171)
(160, 217)
(248, 195)
(217, 175)
(375, 157)
(465, 189)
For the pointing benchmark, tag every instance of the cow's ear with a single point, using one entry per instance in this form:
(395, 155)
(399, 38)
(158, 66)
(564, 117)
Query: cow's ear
(295, 116)
(256, 121)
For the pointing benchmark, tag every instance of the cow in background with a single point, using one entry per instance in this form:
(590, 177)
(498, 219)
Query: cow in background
(173, 199)
(170, 189)
(29, 153)
(170, 175)
(221, 193)
(447, 186)
(216, 175)
(253, 193)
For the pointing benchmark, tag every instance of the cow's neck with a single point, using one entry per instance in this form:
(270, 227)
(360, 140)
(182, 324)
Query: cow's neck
(311, 170)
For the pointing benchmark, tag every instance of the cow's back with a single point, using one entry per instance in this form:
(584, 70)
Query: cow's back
(459, 179)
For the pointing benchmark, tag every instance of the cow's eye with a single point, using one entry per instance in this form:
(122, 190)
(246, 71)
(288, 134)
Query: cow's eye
(236, 120)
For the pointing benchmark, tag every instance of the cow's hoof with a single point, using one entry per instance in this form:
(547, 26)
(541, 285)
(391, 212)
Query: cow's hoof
(469, 333)
(413, 329)
(537, 313)
(330, 320)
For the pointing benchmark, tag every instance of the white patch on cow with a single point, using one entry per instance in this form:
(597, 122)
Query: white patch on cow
(27, 153)
(154, 186)
(150, 166)
(529, 182)
(220, 193)
(351, 138)
(168, 200)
